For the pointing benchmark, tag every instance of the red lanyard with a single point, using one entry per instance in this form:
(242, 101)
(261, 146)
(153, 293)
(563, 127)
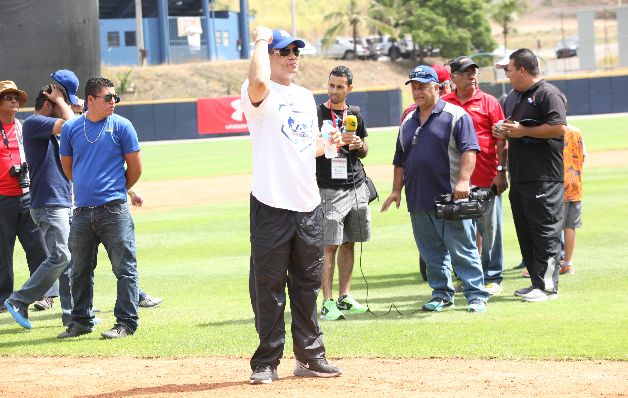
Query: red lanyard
(333, 114)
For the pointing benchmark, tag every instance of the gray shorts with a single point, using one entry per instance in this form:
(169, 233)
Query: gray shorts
(347, 218)
(573, 214)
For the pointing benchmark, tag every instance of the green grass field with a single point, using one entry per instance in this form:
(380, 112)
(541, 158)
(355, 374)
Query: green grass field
(198, 259)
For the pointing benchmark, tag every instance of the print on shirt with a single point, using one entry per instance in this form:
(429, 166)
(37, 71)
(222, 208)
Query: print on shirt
(296, 126)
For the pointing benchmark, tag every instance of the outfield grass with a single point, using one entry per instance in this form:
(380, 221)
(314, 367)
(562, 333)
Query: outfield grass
(198, 259)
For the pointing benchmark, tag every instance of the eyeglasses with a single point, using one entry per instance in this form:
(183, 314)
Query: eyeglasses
(420, 74)
(467, 74)
(9, 98)
(109, 97)
(284, 52)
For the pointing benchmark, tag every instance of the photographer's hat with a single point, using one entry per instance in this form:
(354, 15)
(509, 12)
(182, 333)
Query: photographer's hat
(8, 86)
(68, 80)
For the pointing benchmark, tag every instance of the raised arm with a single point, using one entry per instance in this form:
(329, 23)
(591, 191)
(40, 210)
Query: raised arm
(259, 69)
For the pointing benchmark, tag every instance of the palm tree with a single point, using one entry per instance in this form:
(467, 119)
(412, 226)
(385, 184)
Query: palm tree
(352, 17)
(504, 12)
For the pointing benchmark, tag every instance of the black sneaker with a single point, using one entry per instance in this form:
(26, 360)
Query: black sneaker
(117, 332)
(316, 367)
(73, 331)
(263, 374)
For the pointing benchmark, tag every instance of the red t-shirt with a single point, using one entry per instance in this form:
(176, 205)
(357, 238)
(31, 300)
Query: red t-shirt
(9, 185)
(485, 111)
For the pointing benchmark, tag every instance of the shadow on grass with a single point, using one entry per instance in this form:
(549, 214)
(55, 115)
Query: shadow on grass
(167, 389)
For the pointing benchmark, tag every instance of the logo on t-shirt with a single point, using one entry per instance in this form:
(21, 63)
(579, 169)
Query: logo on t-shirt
(296, 126)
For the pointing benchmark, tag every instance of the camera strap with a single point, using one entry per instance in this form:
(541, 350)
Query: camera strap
(5, 139)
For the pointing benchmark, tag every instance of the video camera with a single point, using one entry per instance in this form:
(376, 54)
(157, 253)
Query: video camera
(448, 209)
(21, 172)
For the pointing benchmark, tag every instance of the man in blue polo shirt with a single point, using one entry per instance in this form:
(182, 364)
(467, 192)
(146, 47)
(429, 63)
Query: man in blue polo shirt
(435, 154)
(51, 199)
(94, 150)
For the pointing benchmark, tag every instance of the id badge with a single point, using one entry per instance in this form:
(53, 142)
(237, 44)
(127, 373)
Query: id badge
(339, 168)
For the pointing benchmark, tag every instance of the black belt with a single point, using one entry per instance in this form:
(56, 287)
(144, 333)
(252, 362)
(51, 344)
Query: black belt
(112, 203)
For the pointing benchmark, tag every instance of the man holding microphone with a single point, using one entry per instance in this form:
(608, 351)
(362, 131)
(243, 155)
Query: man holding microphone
(344, 195)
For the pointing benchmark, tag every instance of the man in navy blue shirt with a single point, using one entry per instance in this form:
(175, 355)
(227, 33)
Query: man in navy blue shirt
(51, 201)
(435, 155)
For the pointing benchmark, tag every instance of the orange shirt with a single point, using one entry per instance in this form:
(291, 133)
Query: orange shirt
(573, 157)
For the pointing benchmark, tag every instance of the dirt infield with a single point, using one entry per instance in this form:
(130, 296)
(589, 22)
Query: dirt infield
(207, 377)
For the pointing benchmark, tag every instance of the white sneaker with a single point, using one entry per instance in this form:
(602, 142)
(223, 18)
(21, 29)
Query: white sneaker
(493, 288)
(525, 290)
(537, 295)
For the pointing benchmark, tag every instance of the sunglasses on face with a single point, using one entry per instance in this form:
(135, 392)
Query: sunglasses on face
(9, 98)
(284, 52)
(109, 97)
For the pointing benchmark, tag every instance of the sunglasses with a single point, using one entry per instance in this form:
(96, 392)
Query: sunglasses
(284, 52)
(420, 75)
(109, 97)
(9, 98)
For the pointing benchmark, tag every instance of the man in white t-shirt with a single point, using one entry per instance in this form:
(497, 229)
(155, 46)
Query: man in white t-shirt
(286, 216)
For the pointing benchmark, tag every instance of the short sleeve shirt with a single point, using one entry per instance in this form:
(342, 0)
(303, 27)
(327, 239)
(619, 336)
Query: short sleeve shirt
(355, 174)
(573, 155)
(485, 111)
(283, 135)
(97, 150)
(49, 186)
(13, 155)
(536, 159)
(430, 154)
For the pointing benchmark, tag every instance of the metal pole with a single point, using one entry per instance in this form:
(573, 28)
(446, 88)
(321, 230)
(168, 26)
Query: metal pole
(139, 36)
(208, 30)
(293, 9)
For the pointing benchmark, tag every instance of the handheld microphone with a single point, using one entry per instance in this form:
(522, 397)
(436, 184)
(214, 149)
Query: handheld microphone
(351, 124)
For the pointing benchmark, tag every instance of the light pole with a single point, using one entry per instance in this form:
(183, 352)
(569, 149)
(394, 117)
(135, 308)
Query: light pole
(139, 36)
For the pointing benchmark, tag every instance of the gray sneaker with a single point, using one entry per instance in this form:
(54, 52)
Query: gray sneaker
(117, 332)
(263, 374)
(537, 295)
(315, 367)
(523, 291)
(150, 302)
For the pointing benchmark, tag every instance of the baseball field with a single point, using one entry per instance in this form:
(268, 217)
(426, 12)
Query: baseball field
(193, 250)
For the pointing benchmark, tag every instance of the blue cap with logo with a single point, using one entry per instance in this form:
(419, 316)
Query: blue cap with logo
(423, 74)
(68, 80)
(282, 39)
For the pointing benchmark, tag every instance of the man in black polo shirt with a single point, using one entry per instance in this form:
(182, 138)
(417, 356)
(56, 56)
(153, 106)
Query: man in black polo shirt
(535, 124)
(344, 197)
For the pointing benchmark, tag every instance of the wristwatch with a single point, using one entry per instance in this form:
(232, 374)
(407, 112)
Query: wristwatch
(501, 168)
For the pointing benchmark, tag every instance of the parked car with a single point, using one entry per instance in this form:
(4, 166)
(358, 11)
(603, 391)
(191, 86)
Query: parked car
(567, 48)
(397, 48)
(342, 48)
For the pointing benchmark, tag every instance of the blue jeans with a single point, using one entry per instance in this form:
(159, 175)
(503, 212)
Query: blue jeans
(16, 222)
(442, 242)
(112, 226)
(490, 229)
(54, 223)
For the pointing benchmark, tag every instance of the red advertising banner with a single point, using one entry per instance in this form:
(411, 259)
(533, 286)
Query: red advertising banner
(220, 115)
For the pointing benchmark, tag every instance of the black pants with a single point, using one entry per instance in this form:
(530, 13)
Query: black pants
(538, 211)
(16, 222)
(286, 248)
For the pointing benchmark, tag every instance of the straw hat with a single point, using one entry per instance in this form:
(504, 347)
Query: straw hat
(8, 86)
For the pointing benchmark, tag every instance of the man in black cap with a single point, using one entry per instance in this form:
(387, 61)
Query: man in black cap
(286, 213)
(490, 166)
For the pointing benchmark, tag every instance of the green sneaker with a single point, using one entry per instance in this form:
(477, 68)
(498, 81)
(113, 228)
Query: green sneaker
(330, 311)
(348, 305)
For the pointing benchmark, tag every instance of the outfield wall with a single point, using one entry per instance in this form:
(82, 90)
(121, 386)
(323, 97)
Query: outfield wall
(604, 93)
(183, 119)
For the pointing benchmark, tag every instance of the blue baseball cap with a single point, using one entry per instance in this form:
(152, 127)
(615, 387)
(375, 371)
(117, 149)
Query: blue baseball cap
(282, 39)
(68, 80)
(423, 74)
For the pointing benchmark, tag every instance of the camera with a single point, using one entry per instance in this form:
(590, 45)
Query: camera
(446, 208)
(21, 172)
